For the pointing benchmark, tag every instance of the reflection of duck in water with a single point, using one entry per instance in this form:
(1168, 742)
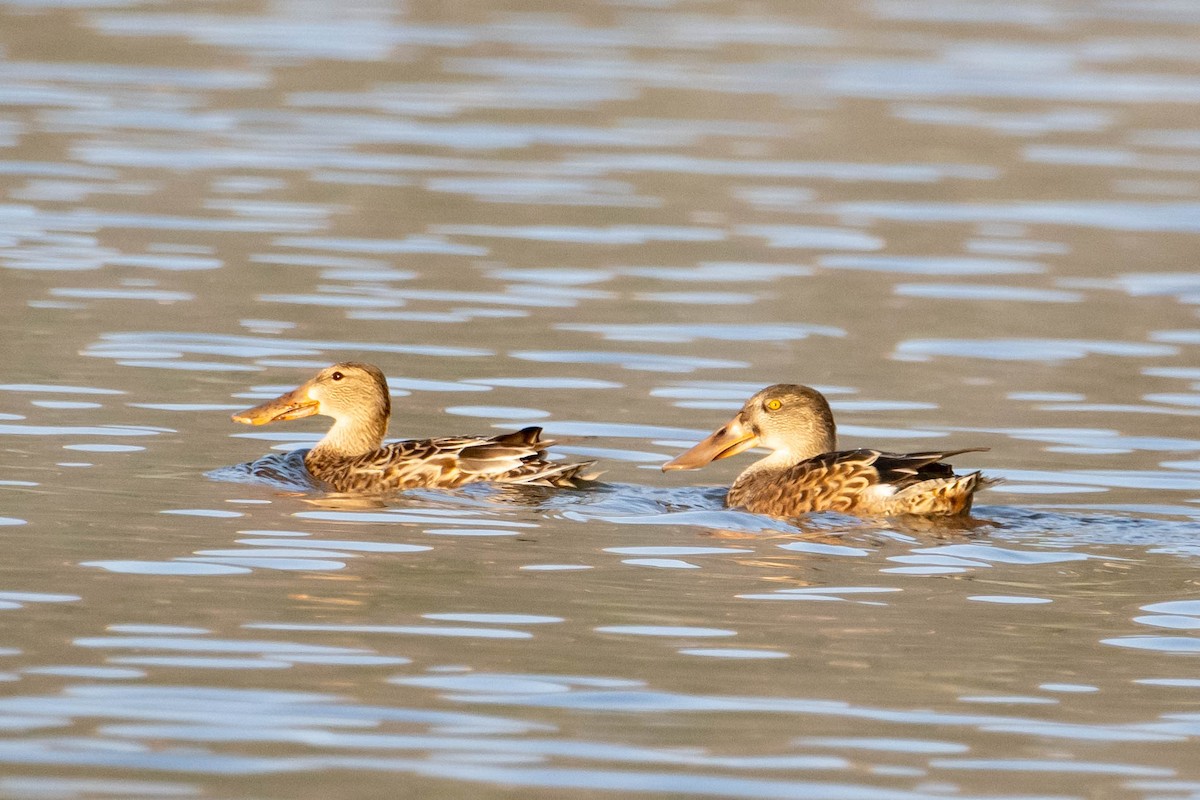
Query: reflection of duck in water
(805, 472)
(352, 457)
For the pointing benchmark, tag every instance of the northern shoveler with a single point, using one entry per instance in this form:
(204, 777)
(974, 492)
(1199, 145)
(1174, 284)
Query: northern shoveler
(806, 472)
(353, 458)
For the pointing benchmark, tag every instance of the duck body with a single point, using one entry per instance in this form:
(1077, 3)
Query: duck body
(445, 462)
(860, 482)
(806, 472)
(352, 458)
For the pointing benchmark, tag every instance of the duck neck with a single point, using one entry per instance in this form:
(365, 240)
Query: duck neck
(814, 442)
(350, 437)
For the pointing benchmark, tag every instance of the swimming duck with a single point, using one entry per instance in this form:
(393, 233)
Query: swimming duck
(353, 458)
(806, 472)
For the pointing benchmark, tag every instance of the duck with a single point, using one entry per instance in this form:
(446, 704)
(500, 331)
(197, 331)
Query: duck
(806, 473)
(352, 458)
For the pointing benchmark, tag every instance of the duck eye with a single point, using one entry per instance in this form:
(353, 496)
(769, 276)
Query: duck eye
(337, 376)
(773, 405)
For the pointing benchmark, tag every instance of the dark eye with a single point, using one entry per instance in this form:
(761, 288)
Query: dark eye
(337, 376)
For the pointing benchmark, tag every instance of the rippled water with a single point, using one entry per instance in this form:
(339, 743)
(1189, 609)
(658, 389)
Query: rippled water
(969, 224)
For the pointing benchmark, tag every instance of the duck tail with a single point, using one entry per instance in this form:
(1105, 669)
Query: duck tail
(941, 496)
(986, 482)
(563, 476)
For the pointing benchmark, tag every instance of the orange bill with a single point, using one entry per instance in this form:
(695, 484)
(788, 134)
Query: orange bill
(293, 405)
(731, 439)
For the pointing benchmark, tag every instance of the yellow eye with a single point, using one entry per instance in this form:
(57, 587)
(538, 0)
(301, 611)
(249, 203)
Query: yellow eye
(773, 405)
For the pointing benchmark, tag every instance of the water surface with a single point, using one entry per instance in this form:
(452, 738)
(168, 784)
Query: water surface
(968, 224)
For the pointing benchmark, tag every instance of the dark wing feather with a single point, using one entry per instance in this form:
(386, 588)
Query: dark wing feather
(526, 437)
(905, 469)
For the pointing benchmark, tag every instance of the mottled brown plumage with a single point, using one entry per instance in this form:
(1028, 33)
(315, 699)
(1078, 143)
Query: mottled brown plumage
(805, 472)
(352, 457)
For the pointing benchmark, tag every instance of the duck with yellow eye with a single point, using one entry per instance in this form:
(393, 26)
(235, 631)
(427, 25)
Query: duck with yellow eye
(805, 471)
(352, 457)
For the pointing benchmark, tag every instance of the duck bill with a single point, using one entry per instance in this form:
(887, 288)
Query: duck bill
(293, 405)
(730, 440)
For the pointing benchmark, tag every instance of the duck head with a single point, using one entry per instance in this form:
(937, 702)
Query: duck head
(793, 422)
(354, 394)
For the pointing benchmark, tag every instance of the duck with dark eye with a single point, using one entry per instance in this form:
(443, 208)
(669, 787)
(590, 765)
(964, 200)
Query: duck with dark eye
(805, 471)
(353, 458)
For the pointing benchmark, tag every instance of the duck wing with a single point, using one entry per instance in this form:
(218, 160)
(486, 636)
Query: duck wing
(518, 457)
(904, 469)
